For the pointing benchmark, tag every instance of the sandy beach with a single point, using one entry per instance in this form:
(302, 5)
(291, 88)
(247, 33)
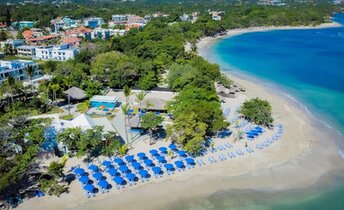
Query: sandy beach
(288, 163)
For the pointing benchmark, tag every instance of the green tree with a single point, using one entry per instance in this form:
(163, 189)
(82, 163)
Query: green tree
(3, 35)
(55, 169)
(115, 69)
(148, 81)
(51, 187)
(55, 88)
(258, 111)
(140, 96)
(188, 132)
(150, 121)
(90, 142)
(125, 109)
(70, 137)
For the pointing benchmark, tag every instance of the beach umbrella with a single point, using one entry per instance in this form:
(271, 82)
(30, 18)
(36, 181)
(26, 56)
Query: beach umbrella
(190, 161)
(112, 172)
(106, 163)
(169, 166)
(148, 162)
(93, 168)
(131, 176)
(136, 165)
(97, 175)
(143, 173)
(130, 158)
(161, 159)
(141, 155)
(182, 153)
(84, 179)
(250, 136)
(157, 170)
(89, 187)
(153, 152)
(118, 180)
(172, 146)
(124, 169)
(119, 161)
(258, 131)
(103, 184)
(163, 149)
(79, 171)
(258, 128)
(179, 164)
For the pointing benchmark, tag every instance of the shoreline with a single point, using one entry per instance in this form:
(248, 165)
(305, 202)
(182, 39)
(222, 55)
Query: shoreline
(271, 169)
(203, 43)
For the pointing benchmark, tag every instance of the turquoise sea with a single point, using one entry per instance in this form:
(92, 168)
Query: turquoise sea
(306, 65)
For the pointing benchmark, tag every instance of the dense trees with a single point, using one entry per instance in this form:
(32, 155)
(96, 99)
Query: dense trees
(91, 142)
(150, 121)
(257, 110)
(19, 145)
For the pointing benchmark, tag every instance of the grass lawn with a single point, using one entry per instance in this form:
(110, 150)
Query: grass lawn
(82, 107)
(67, 117)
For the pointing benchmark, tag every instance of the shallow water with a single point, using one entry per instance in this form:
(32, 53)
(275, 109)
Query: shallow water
(308, 66)
(306, 199)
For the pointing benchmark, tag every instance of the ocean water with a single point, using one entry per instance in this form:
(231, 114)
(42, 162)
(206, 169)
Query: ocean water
(307, 65)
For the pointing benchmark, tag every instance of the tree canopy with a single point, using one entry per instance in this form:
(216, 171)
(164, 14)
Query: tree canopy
(258, 111)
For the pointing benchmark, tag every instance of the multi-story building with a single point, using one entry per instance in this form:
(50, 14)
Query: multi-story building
(24, 24)
(14, 43)
(63, 23)
(93, 22)
(26, 51)
(57, 53)
(119, 19)
(18, 69)
(216, 15)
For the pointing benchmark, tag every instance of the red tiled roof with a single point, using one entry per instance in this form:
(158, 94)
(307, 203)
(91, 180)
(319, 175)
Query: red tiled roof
(130, 26)
(44, 38)
(27, 34)
(71, 40)
(79, 30)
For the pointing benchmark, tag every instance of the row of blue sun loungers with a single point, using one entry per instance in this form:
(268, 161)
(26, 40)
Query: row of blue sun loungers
(142, 167)
(130, 169)
(267, 142)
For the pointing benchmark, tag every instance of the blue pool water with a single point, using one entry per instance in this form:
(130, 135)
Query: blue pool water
(308, 64)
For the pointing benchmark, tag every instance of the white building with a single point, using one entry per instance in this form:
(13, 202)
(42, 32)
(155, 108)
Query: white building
(14, 43)
(93, 22)
(57, 53)
(100, 33)
(216, 15)
(26, 51)
(18, 69)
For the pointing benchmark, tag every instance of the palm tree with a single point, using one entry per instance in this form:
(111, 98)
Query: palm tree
(140, 97)
(127, 93)
(30, 70)
(55, 88)
(68, 83)
(10, 86)
(125, 109)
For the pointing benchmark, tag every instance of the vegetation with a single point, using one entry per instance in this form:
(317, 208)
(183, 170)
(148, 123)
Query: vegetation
(20, 142)
(258, 111)
(137, 59)
(150, 121)
(90, 142)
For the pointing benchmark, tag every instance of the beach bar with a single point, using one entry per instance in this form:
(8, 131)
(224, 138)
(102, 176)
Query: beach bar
(108, 102)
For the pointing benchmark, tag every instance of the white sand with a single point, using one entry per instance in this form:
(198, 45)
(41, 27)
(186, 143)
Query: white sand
(298, 159)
